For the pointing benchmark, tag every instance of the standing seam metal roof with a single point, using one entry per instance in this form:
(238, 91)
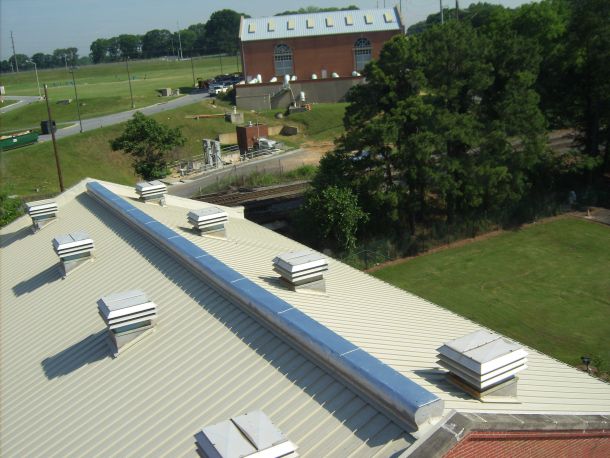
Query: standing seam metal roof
(399, 328)
(319, 24)
(62, 394)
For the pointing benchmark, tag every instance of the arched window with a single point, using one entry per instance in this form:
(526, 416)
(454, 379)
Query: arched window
(282, 56)
(362, 53)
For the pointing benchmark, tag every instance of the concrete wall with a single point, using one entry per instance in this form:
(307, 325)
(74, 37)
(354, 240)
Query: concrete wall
(310, 55)
(270, 95)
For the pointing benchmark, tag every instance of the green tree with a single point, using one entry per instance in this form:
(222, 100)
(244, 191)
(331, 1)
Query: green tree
(148, 142)
(156, 43)
(99, 50)
(221, 31)
(335, 215)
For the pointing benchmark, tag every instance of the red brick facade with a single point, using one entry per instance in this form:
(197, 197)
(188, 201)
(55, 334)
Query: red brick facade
(333, 53)
(533, 444)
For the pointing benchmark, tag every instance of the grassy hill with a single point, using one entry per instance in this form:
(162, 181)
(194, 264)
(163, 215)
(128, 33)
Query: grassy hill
(546, 285)
(104, 88)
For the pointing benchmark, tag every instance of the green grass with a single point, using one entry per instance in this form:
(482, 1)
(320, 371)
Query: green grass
(104, 89)
(547, 285)
(323, 122)
(31, 170)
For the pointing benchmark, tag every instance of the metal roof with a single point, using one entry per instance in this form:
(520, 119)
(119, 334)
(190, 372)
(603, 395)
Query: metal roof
(62, 394)
(208, 361)
(400, 328)
(319, 24)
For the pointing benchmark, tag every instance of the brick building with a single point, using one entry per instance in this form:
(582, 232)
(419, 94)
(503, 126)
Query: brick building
(315, 44)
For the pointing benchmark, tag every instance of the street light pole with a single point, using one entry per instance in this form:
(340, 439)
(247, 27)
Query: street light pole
(77, 104)
(129, 79)
(59, 175)
(37, 80)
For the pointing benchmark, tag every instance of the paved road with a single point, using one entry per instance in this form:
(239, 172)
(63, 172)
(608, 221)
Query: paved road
(116, 118)
(23, 100)
(109, 120)
(282, 162)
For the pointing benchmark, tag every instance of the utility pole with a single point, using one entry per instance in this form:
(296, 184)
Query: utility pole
(129, 79)
(59, 176)
(193, 70)
(442, 13)
(14, 53)
(179, 40)
(77, 104)
(457, 9)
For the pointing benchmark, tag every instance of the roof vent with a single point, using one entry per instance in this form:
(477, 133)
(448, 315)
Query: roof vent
(42, 212)
(73, 250)
(290, 24)
(388, 17)
(251, 27)
(309, 23)
(251, 434)
(129, 316)
(368, 19)
(484, 364)
(209, 221)
(152, 191)
(329, 21)
(271, 26)
(349, 20)
(302, 269)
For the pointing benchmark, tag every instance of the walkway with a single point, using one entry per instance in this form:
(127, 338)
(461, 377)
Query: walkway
(23, 100)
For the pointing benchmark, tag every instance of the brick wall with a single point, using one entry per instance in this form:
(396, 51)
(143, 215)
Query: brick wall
(533, 444)
(332, 53)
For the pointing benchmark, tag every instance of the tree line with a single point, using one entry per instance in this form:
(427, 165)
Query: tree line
(450, 128)
(62, 57)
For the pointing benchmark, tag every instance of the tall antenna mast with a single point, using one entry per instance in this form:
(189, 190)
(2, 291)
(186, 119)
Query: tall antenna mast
(14, 53)
(457, 9)
(442, 12)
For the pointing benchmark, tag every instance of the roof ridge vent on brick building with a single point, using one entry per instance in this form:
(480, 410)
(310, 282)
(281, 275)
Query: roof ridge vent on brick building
(484, 365)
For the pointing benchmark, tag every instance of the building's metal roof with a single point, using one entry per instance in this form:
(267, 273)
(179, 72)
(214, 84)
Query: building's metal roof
(61, 394)
(208, 361)
(399, 328)
(320, 24)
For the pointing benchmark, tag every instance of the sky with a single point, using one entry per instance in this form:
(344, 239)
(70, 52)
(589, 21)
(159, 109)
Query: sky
(45, 25)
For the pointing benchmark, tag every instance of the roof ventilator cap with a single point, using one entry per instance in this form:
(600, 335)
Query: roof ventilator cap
(128, 316)
(73, 250)
(484, 365)
(302, 269)
(209, 221)
(42, 212)
(249, 435)
(152, 191)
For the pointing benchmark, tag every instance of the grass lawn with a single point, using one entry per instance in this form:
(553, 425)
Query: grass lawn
(25, 170)
(104, 88)
(546, 285)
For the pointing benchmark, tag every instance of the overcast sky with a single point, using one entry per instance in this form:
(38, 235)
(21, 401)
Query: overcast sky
(45, 25)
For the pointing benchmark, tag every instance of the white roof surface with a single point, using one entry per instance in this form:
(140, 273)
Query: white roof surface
(62, 394)
(316, 24)
(208, 361)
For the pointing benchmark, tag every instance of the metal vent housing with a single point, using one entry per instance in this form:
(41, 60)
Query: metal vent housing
(483, 363)
(42, 213)
(128, 315)
(73, 249)
(151, 191)
(301, 268)
(208, 220)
